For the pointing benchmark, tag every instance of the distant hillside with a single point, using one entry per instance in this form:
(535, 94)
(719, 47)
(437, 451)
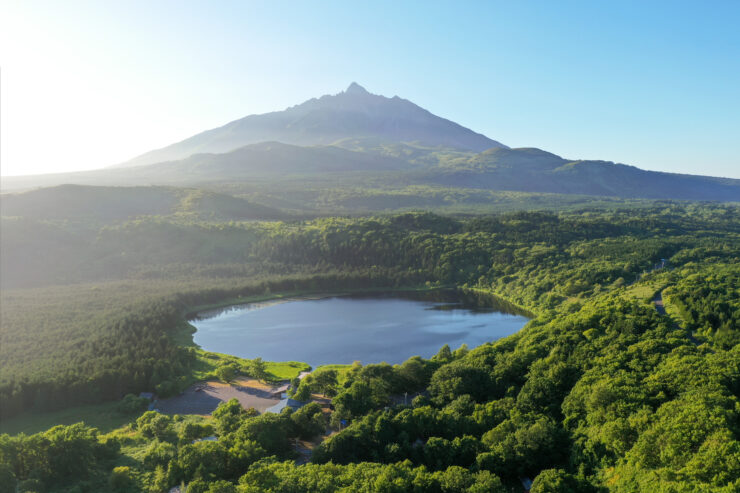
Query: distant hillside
(534, 170)
(354, 113)
(282, 170)
(270, 159)
(85, 203)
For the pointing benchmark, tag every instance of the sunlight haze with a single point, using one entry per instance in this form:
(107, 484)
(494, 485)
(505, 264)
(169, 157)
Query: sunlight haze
(91, 84)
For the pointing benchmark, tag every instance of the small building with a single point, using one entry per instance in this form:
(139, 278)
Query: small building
(526, 483)
(291, 403)
(278, 392)
(303, 375)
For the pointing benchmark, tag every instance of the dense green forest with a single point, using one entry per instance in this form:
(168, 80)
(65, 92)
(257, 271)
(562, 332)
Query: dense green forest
(599, 392)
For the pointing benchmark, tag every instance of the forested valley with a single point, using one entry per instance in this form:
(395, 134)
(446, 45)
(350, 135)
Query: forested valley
(599, 392)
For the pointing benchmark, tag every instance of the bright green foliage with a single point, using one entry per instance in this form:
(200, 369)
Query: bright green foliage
(270, 431)
(228, 416)
(226, 373)
(599, 390)
(559, 481)
(152, 424)
(257, 369)
(194, 431)
(706, 301)
(60, 456)
(121, 479)
(322, 381)
(159, 454)
(272, 476)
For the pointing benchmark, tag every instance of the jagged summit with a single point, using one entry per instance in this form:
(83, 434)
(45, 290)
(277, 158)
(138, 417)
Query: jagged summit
(352, 114)
(356, 88)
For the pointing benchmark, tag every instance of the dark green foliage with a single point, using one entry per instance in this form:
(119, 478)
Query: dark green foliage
(599, 390)
(270, 431)
(309, 421)
(131, 404)
(8, 481)
(706, 302)
(559, 481)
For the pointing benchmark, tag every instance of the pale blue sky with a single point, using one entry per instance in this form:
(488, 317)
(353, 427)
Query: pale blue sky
(652, 84)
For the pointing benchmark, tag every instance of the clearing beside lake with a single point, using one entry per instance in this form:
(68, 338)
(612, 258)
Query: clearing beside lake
(203, 398)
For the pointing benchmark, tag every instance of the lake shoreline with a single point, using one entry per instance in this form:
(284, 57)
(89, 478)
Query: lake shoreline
(345, 326)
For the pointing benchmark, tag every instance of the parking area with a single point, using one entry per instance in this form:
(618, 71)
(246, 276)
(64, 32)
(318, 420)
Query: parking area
(204, 397)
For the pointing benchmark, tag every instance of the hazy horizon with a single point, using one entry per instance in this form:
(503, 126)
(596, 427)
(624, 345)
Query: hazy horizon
(86, 85)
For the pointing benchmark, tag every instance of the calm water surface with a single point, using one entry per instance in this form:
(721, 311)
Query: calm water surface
(370, 328)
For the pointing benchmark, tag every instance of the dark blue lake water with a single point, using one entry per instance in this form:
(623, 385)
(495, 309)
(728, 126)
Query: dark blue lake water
(370, 328)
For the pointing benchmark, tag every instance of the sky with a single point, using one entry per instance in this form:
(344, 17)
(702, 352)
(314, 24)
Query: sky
(88, 84)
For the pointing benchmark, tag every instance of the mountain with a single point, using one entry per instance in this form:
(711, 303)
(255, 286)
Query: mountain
(282, 171)
(352, 142)
(354, 113)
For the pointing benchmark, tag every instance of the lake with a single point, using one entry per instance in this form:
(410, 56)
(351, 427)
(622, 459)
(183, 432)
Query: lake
(370, 328)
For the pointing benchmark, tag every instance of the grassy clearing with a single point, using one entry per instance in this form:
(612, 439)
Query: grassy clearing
(208, 362)
(341, 370)
(104, 416)
(672, 310)
(287, 370)
(643, 292)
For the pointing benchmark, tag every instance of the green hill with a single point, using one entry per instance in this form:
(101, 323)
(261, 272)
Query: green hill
(76, 202)
(534, 170)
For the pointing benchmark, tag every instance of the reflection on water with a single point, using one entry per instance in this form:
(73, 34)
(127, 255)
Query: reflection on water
(370, 328)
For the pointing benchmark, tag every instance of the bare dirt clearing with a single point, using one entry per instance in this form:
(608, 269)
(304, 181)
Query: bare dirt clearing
(203, 398)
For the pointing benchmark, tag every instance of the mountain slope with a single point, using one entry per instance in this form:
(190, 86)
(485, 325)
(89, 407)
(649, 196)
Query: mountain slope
(354, 113)
(354, 141)
(281, 168)
(273, 158)
(535, 170)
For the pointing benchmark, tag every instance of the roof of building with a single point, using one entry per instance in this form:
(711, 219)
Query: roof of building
(212, 438)
(278, 408)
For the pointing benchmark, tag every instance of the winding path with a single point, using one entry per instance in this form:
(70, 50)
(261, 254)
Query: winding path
(660, 307)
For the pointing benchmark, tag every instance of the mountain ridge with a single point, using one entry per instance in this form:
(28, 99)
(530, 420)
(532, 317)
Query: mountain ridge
(357, 140)
(352, 113)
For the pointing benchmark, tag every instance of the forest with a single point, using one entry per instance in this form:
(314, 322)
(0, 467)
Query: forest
(599, 392)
